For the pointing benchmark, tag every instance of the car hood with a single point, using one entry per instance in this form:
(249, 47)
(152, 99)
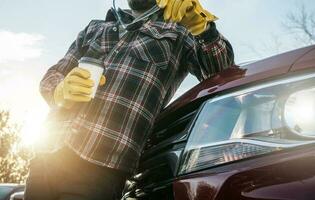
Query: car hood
(237, 76)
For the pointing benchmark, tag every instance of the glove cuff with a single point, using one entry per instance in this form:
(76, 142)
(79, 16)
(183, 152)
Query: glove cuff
(197, 21)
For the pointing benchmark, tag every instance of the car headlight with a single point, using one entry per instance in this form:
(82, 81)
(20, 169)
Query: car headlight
(299, 112)
(252, 122)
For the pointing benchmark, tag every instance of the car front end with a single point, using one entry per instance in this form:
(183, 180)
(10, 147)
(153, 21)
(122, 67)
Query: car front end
(247, 133)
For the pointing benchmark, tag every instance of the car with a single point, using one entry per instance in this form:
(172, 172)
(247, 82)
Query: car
(6, 190)
(17, 196)
(247, 133)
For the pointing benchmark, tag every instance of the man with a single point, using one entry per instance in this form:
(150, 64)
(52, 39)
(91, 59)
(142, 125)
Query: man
(144, 65)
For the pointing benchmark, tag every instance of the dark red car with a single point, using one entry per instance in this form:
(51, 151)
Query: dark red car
(248, 133)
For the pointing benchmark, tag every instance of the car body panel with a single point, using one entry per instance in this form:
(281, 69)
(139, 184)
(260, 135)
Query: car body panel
(284, 176)
(306, 62)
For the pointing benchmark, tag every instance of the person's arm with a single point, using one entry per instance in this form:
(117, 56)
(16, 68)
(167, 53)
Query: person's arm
(57, 73)
(207, 52)
(213, 52)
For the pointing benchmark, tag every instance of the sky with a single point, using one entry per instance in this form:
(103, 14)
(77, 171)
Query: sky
(35, 34)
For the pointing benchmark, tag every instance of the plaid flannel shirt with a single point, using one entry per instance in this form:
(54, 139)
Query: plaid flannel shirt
(144, 68)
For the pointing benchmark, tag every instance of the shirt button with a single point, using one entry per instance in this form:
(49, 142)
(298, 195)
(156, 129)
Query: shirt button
(115, 29)
(201, 41)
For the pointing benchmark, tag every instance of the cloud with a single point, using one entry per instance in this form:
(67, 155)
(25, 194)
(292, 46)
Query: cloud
(19, 46)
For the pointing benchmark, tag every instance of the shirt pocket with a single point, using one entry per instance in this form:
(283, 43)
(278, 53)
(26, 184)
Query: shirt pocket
(93, 48)
(154, 46)
(92, 45)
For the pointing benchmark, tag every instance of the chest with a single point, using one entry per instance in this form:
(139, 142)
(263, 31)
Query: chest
(148, 43)
(147, 51)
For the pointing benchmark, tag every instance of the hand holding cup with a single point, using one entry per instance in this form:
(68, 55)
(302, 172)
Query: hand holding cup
(80, 85)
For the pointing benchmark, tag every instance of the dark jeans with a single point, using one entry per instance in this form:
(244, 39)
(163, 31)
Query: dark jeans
(64, 176)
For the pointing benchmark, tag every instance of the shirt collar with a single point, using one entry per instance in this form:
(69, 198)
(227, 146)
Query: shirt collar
(126, 16)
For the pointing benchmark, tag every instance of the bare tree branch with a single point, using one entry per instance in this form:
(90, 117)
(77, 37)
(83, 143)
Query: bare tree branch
(302, 22)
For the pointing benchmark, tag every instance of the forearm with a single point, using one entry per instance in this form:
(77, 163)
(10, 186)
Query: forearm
(56, 74)
(48, 85)
(215, 53)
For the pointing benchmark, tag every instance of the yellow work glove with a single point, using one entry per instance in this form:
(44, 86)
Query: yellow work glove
(76, 87)
(190, 13)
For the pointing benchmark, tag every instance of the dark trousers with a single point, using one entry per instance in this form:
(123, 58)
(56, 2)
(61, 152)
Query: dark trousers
(64, 176)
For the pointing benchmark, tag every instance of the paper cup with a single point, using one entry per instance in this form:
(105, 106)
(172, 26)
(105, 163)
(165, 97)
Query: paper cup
(96, 69)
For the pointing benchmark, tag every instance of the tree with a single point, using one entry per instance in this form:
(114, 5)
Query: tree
(13, 158)
(301, 23)
(298, 31)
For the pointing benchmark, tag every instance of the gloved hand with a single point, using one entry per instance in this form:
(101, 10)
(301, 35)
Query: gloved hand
(76, 87)
(190, 13)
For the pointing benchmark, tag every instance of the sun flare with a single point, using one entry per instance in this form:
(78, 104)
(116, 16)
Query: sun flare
(31, 128)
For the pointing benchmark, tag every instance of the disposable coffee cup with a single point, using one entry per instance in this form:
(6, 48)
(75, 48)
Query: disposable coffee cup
(95, 67)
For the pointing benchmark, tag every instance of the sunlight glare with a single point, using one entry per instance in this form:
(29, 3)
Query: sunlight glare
(32, 125)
